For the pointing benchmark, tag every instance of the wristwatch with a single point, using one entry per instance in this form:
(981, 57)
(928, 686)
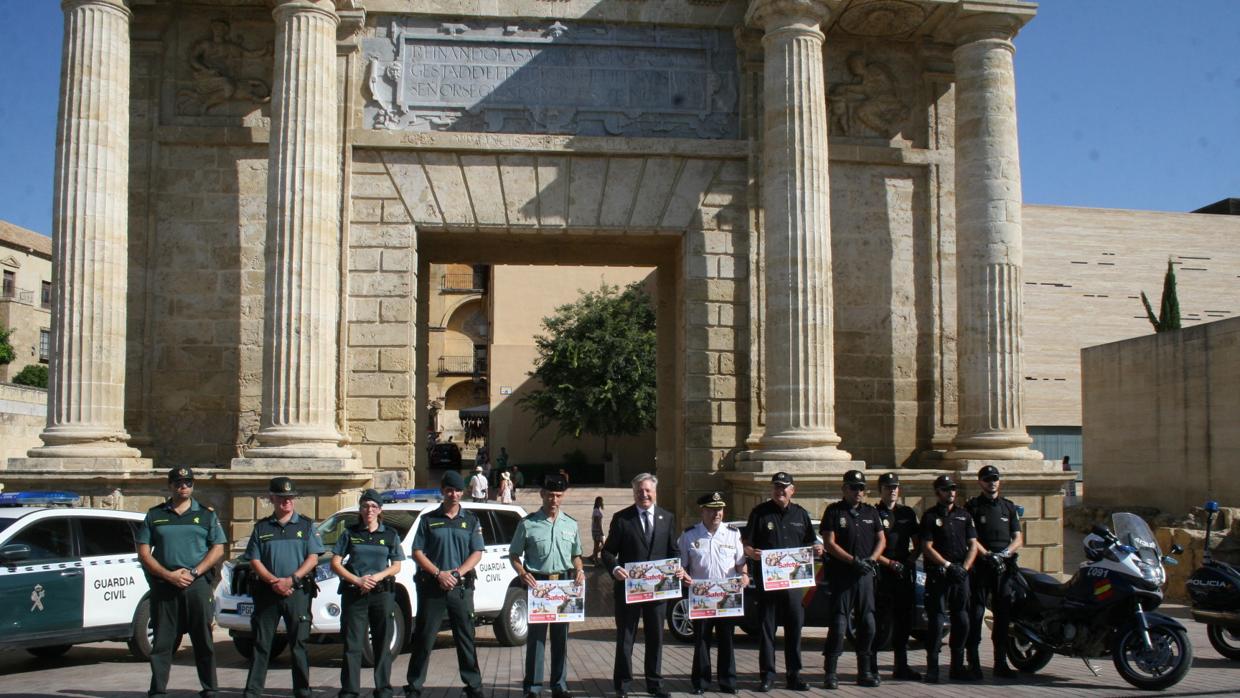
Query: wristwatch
(456, 575)
(193, 572)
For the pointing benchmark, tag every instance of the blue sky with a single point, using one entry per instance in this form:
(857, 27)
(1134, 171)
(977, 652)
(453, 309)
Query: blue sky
(1122, 104)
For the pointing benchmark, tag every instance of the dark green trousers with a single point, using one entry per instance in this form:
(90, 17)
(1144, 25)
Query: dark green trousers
(433, 604)
(177, 612)
(268, 610)
(375, 610)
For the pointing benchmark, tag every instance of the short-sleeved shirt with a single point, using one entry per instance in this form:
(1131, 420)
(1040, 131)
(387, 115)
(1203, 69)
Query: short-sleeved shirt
(596, 523)
(997, 521)
(282, 548)
(180, 541)
(856, 530)
(707, 555)
(951, 532)
(445, 541)
(770, 527)
(546, 546)
(900, 526)
(364, 552)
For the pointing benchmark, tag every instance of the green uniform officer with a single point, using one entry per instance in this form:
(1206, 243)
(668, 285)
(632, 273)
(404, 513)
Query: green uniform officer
(446, 547)
(366, 559)
(547, 546)
(283, 551)
(179, 543)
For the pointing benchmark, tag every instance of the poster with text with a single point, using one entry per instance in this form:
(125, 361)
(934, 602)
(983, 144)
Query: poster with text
(652, 581)
(787, 568)
(559, 601)
(716, 598)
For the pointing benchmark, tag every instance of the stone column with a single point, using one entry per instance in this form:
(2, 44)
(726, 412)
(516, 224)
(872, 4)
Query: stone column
(86, 395)
(800, 366)
(303, 227)
(988, 242)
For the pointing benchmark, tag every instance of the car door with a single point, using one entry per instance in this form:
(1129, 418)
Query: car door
(43, 592)
(114, 583)
(494, 571)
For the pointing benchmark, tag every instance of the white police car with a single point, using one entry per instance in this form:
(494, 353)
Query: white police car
(497, 599)
(69, 575)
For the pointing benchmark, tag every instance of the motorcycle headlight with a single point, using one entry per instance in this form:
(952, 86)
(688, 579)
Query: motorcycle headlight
(1152, 573)
(323, 571)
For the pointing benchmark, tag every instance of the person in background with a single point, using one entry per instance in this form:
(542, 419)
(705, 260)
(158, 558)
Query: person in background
(505, 488)
(518, 481)
(477, 485)
(596, 529)
(564, 476)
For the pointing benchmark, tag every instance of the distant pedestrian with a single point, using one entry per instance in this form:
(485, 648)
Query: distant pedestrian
(596, 529)
(505, 488)
(478, 485)
(518, 481)
(501, 461)
(1067, 468)
(564, 476)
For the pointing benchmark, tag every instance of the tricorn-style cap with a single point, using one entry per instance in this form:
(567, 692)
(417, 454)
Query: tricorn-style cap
(180, 472)
(854, 477)
(711, 500)
(888, 480)
(944, 482)
(987, 471)
(282, 486)
(452, 479)
(781, 478)
(371, 495)
(554, 483)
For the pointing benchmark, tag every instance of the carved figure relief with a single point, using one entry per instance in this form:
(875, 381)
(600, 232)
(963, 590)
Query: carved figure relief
(869, 103)
(223, 71)
(882, 18)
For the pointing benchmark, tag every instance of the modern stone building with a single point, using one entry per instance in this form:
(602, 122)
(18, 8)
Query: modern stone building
(249, 196)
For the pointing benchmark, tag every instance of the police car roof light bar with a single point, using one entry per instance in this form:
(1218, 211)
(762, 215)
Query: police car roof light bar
(408, 495)
(39, 499)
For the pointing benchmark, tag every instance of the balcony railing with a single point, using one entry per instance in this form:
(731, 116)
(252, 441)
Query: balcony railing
(462, 283)
(21, 295)
(461, 366)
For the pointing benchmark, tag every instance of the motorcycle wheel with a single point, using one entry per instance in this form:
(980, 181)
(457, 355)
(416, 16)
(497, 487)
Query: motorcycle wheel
(1225, 641)
(1027, 656)
(1158, 667)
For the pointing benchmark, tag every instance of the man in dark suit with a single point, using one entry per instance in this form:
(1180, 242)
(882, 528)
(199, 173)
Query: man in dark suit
(640, 533)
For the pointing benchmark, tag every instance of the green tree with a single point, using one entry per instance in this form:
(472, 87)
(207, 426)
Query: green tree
(596, 364)
(1168, 317)
(7, 353)
(34, 375)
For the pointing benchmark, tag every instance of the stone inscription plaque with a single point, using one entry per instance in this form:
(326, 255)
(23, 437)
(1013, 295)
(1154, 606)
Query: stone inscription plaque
(553, 78)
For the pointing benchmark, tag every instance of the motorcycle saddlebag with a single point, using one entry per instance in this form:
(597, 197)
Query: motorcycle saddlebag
(1215, 587)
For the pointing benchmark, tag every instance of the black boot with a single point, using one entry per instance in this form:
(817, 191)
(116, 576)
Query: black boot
(932, 668)
(974, 671)
(1002, 670)
(902, 670)
(830, 665)
(866, 675)
(957, 672)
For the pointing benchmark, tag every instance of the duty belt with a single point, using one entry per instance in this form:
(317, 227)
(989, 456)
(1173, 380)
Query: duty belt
(552, 577)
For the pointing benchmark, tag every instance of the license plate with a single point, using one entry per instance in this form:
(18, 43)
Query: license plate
(245, 609)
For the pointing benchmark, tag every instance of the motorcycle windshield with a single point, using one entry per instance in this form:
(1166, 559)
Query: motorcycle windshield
(1132, 530)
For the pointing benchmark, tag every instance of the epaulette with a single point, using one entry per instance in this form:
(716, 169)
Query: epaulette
(209, 508)
(690, 528)
(734, 528)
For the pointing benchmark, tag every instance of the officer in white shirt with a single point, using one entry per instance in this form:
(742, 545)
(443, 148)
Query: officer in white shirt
(711, 550)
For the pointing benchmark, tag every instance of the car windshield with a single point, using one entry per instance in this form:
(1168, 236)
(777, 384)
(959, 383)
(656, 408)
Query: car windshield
(5, 523)
(331, 529)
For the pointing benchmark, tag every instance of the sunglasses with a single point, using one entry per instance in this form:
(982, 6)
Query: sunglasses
(946, 489)
(857, 488)
(183, 483)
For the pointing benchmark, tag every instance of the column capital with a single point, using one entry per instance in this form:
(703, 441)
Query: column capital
(117, 5)
(770, 15)
(981, 21)
(323, 7)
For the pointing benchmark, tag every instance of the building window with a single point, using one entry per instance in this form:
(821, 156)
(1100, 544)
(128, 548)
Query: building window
(45, 298)
(10, 285)
(45, 345)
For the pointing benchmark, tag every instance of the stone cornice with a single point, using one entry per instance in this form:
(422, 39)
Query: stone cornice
(771, 14)
(979, 20)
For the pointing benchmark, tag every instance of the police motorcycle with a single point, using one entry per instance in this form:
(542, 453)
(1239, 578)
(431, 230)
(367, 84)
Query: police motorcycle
(1106, 608)
(1214, 589)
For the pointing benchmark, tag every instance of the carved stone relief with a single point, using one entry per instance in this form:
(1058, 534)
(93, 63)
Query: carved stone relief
(884, 18)
(869, 103)
(550, 77)
(222, 71)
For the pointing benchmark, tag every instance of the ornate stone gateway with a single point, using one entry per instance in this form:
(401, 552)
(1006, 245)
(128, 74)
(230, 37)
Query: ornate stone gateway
(248, 196)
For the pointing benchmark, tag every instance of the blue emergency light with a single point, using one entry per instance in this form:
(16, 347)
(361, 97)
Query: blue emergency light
(408, 495)
(39, 499)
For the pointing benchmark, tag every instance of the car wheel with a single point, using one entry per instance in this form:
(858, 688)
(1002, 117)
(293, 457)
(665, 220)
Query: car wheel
(245, 646)
(395, 639)
(512, 625)
(49, 652)
(678, 620)
(142, 632)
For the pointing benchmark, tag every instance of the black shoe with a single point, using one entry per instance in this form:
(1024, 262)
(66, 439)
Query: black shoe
(765, 686)
(473, 692)
(832, 682)
(531, 694)
(1003, 671)
(797, 685)
(959, 674)
(868, 680)
(932, 675)
(561, 693)
(696, 692)
(660, 693)
(730, 690)
(904, 673)
(621, 693)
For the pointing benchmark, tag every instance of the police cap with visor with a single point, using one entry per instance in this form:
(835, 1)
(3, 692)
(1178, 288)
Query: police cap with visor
(888, 480)
(854, 477)
(988, 472)
(944, 482)
(179, 473)
(711, 500)
(282, 486)
(554, 483)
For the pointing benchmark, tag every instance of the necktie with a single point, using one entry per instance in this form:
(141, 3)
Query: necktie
(649, 526)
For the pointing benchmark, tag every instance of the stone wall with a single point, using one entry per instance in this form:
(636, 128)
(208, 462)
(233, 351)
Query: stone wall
(1159, 418)
(23, 414)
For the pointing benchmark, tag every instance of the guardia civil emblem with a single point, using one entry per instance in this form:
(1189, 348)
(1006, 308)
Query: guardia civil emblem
(983, 518)
(770, 525)
(843, 522)
(886, 523)
(938, 522)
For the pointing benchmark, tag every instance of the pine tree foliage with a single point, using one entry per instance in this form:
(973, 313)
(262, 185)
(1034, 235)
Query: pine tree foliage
(1168, 317)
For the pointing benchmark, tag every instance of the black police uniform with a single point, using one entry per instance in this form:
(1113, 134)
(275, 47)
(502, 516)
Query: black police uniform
(282, 548)
(181, 541)
(858, 531)
(770, 527)
(896, 591)
(997, 521)
(365, 552)
(447, 541)
(952, 534)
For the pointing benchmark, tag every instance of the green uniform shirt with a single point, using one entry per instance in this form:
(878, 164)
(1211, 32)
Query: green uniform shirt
(282, 549)
(366, 552)
(549, 546)
(180, 541)
(446, 542)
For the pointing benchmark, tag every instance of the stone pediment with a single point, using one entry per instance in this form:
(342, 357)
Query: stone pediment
(10, 261)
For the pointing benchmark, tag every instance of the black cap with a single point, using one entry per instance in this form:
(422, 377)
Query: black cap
(944, 482)
(180, 472)
(854, 477)
(282, 486)
(781, 478)
(452, 479)
(554, 483)
(987, 471)
(711, 500)
(888, 480)
(371, 495)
